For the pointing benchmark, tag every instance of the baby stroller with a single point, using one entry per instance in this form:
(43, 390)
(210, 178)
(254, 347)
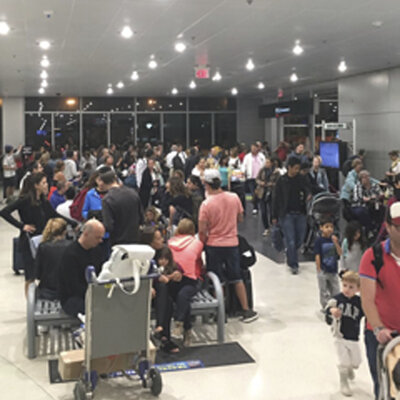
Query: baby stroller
(388, 362)
(322, 205)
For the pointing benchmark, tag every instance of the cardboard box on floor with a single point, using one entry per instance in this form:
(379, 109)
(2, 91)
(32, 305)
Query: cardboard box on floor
(70, 363)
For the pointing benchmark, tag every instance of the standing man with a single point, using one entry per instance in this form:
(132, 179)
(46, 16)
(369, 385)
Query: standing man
(122, 210)
(289, 207)
(380, 290)
(70, 170)
(252, 163)
(218, 218)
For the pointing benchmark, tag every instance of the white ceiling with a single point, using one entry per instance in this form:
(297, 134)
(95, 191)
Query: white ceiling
(88, 52)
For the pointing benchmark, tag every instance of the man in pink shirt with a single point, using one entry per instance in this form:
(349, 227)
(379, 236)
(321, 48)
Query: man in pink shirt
(218, 218)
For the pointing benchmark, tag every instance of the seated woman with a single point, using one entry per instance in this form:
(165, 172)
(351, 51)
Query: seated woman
(48, 257)
(186, 251)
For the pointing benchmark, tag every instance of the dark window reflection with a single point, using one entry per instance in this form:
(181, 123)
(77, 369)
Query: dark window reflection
(38, 130)
(328, 112)
(122, 129)
(148, 128)
(200, 130)
(225, 130)
(94, 131)
(113, 104)
(161, 104)
(174, 129)
(295, 135)
(212, 104)
(39, 104)
(66, 130)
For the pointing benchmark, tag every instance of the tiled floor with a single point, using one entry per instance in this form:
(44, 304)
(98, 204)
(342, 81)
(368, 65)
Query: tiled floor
(292, 347)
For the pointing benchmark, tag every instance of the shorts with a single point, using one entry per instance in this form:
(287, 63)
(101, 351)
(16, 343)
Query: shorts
(224, 262)
(9, 182)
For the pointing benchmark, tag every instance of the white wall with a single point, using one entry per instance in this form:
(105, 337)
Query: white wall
(13, 121)
(250, 127)
(373, 100)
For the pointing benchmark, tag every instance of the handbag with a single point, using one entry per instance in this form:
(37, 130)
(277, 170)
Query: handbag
(259, 192)
(277, 238)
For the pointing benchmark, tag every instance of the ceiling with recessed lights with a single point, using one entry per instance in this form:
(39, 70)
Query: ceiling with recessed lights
(96, 44)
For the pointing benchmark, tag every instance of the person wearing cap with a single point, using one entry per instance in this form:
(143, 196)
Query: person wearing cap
(218, 218)
(380, 291)
(9, 171)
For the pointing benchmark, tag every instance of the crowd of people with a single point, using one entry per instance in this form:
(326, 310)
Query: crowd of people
(183, 202)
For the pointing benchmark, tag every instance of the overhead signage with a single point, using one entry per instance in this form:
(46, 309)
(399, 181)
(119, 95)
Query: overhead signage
(276, 110)
(334, 126)
(202, 72)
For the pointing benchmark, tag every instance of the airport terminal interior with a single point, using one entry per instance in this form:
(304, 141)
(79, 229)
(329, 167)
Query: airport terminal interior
(169, 98)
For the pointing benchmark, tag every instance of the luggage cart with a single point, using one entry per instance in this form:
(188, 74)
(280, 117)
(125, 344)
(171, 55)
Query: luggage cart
(117, 323)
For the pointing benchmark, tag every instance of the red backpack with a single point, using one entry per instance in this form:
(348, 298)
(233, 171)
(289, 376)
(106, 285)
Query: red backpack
(75, 209)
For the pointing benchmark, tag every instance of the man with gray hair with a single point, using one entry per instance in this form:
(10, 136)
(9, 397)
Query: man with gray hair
(77, 257)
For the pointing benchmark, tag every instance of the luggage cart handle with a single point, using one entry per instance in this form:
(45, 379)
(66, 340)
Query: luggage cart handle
(91, 277)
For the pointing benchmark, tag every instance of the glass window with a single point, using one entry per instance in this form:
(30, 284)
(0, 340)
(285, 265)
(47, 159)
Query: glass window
(212, 104)
(225, 130)
(328, 112)
(296, 120)
(66, 130)
(174, 129)
(200, 130)
(122, 128)
(161, 104)
(94, 131)
(113, 104)
(148, 128)
(295, 135)
(39, 104)
(38, 130)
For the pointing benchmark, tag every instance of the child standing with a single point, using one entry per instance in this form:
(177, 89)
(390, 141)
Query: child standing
(353, 247)
(344, 313)
(326, 251)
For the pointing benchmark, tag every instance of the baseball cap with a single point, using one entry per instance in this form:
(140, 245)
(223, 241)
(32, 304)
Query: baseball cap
(211, 174)
(394, 213)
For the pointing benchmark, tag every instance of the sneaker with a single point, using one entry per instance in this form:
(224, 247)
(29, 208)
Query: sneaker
(255, 211)
(249, 316)
(295, 271)
(265, 233)
(187, 338)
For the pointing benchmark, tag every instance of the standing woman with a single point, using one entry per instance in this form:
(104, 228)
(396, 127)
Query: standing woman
(34, 212)
(181, 205)
(264, 192)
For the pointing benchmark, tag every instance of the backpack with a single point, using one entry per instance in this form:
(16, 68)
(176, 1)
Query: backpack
(75, 209)
(377, 262)
(247, 254)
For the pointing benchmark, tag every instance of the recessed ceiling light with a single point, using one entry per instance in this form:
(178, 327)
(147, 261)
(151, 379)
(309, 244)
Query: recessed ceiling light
(70, 102)
(120, 85)
(180, 47)
(44, 83)
(250, 65)
(4, 28)
(110, 90)
(234, 91)
(297, 49)
(44, 62)
(294, 78)
(126, 32)
(192, 85)
(261, 86)
(44, 75)
(153, 64)
(135, 76)
(342, 67)
(217, 77)
(44, 44)
(174, 91)
(377, 24)
(41, 90)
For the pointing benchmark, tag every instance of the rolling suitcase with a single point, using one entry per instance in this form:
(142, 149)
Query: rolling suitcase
(17, 260)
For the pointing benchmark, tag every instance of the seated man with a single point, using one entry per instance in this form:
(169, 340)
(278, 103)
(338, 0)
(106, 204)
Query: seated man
(77, 256)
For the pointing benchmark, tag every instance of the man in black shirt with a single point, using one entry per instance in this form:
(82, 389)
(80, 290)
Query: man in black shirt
(77, 256)
(122, 211)
(289, 207)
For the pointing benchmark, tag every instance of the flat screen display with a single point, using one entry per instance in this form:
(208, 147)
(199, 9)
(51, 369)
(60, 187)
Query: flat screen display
(330, 154)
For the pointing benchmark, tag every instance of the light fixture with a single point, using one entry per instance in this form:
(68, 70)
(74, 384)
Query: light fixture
(261, 86)
(44, 83)
(44, 62)
(342, 67)
(4, 28)
(250, 65)
(234, 91)
(120, 85)
(126, 32)
(217, 77)
(192, 85)
(174, 91)
(44, 75)
(135, 76)
(70, 102)
(110, 89)
(44, 44)
(180, 47)
(294, 78)
(41, 90)
(297, 49)
(153, 64)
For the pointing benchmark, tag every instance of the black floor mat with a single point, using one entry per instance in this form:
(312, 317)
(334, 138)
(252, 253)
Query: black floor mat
(214, 355)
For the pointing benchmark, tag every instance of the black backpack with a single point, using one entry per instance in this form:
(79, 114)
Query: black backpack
(247, 254)
(377, 262)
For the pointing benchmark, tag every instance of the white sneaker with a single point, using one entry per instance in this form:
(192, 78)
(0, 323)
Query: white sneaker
(265, 233)
(255, 211)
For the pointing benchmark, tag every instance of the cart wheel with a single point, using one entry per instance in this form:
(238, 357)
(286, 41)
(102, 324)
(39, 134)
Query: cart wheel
(80, 391)
(155, 383)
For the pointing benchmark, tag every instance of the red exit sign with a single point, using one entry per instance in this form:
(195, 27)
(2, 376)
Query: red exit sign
(202, 73)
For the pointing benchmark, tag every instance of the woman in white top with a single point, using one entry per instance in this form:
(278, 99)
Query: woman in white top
(199, 169)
